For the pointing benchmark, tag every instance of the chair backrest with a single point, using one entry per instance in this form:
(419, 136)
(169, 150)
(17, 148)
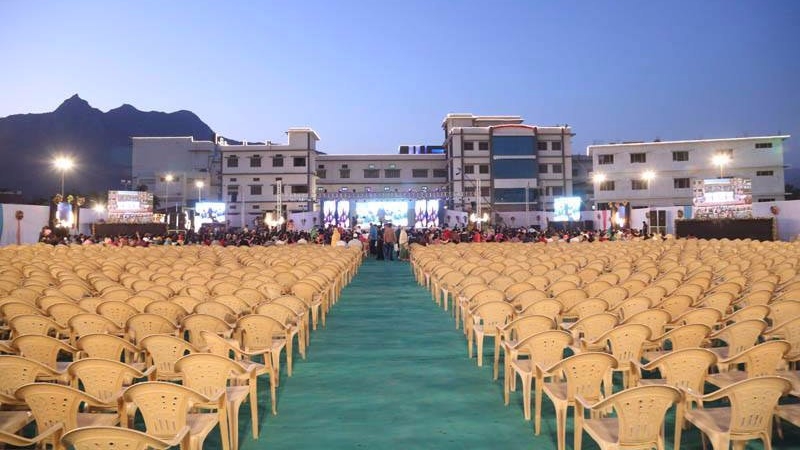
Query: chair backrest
(88, 323)
(18, 371)
(53, 404)
(29, 324)
(752, 312)
(102, 378)
(172, 311)
(719, 300)
(592, 327)
(164, 406)
(753, 403)
(487, 295)
(686, 336)
(790, 332)
(195, 323)
(207, 373)
(106, 346)
(493, 314)
(686, 368)
(654, 319)
(94, 438)
(527, 297)
(233, 302)
(43, 349)
(62, 312)
(117, 312)
(676, 304)
(585, 373)
(762, 359)
(548, 307)
(547, 347)
(142, 325)
(588, 307)
(627, 341)
(640, 412)
(525, 326)
(705, 316)
(741, 335)
(633, 305)
(257, 331)
(165, 350)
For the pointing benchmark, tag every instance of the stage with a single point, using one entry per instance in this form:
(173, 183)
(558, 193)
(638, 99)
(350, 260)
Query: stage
(762, 229)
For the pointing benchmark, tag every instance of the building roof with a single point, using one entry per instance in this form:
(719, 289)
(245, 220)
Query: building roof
(688, 141)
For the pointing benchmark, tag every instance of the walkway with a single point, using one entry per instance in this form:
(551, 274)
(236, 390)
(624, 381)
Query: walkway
(390, 371)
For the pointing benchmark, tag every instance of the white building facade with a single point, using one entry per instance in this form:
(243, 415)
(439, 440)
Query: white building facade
(172, 167)
(392, 173)
(676, 164)
(498, 164)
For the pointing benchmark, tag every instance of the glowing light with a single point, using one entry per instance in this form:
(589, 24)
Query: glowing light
(169, 178)
(63, 163)
(648, 175)
(99, 208)
(199, 184)
(599, 177)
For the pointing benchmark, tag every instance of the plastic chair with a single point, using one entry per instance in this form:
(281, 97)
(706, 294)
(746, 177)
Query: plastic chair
(257, 332)
(548, 307)
(590, 328)
(45, 350)
(117, 312)
(740, 336)
(168, 309)
(749, 416)
(759, 361)
(682, 369)
(545, 349)
(88, 323)
(212, 308)
(162, 352)
(54, 404)
(626, 344)
(111, 347)
(294, 328)
(583, 374)
(166, 410)
(516, 330)
(94, 438)
(686, 336)
(193, 324)
(143, 325)
(639, 421)
(18, 371)
(486, 318)
(209, 373)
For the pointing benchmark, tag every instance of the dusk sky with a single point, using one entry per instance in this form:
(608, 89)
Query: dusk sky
(368, 76)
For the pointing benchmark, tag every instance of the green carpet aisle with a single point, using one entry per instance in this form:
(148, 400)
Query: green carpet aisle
(390, 371)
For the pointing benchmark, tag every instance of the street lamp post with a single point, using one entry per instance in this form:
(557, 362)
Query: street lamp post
(168, 179)
(63, 163)
(648, 176)
(199, 184)
(597, 180)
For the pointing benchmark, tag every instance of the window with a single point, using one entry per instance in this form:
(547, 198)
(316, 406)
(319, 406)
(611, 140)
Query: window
(725, 151)
(513, 168)
(680, 156)
(322, 173)
(344, 173)
(555, 146)
(255, 189)
(760, 145)
(439, 173)
(392, 173)
(255, 161)
(256, 206)
(483, 168)
(419, 173)
(574, 172)
(766, 200)
(557, 190)
(469, 191)
(638, 158)
(605, 159)
(277, 161)
(485, 191)
(541, 145)
(320, 166)
(544, 168)
(233, 161)
(469, 146)
(558, 168)
(256, 179)
(638, 185)
(392, 166)
(372, 173)
(607, 185)
(300, 189)
(299, 161)
(483, 145)
(764, 173)
(233, 179)
(680, 183)
(233, 188)
(469, 168)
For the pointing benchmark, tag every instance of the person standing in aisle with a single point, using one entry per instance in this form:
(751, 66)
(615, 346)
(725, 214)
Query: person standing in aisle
(389, 239)
(403, 241)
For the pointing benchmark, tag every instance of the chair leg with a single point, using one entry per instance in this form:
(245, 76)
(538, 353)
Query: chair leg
(538, 405)
(526, 395)
(561, 426)
(289, 350)
(479, 342)
(254, 407)
(496, 366)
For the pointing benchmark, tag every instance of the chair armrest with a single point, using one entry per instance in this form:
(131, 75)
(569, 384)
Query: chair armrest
(178, 438)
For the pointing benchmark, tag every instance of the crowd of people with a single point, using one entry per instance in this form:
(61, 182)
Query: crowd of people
(382, 241)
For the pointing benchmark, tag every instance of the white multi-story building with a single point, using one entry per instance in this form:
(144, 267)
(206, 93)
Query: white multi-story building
(261, 178)
(674, 165)
(392, 173)
(172, 167)
(494, 160)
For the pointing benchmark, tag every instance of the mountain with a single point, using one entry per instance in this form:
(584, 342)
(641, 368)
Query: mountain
(100, 144)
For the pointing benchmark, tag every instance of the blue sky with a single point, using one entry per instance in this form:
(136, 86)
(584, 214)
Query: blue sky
(368, 76)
